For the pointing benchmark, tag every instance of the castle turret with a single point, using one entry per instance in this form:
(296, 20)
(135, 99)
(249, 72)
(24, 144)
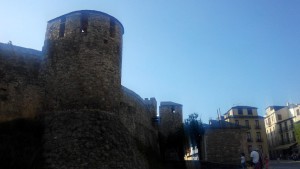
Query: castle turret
(83, 57)
(171, 117)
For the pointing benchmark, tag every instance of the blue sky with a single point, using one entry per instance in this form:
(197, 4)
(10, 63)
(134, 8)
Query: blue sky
(204, 55)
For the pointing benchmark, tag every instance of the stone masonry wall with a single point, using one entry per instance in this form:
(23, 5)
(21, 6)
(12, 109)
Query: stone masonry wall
(20, 88)
(90, 139)
(224, 145)
(136, 116)
(74, 85)
(83, 61)
(171, 118)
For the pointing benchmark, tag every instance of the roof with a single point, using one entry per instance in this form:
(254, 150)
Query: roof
(241, 107)
(276, 107)
(168, 103)
(222, 124)
(286, 146)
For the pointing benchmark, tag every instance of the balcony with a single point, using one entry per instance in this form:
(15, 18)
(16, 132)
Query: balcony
(259, 140)
(249, 140)
(257, 127)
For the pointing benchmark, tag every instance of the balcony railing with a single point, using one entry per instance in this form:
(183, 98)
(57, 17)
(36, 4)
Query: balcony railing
(249, 140)
(259, 140)
(287, 142)
(257, 127)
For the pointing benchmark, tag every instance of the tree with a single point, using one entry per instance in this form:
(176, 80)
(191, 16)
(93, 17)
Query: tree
(297, 132)
(194, 132)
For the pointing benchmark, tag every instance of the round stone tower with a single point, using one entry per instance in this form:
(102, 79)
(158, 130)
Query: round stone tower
(83, 57)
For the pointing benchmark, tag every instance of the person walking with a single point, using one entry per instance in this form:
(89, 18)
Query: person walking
(266, 160)
(243, 161)
(255, 158)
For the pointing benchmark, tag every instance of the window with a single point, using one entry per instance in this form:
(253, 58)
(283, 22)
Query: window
(258, 137)
(269, 121)
(112, 29)
(261, 148)
(249, 111)
(287, 137)
(249, 137)
(285, 126)
(298, 113)
(62, 27)
(83, 23)
(292, 124)
(280, 127)
(249, 148)
(279, 116)
(173, 110)
(236, 122)
(240, 111)
(257, 124)
(247, 123)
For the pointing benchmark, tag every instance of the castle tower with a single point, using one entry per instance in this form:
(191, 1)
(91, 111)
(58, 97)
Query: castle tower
(83, 57)
(170, 117)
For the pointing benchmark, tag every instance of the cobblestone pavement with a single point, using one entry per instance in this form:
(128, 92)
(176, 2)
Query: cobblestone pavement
(284, 164)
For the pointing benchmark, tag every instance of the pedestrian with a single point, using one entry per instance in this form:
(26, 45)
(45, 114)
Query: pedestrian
(266, 162)
(243, 161)
(255, 158)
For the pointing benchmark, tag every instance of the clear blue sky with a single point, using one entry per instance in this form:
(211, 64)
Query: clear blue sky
(202, 54)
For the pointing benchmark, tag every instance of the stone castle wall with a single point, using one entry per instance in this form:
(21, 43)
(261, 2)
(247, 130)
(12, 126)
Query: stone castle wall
(89, 139)
(20, 88)
(74, 85)
(83, 62)
(136, 114)
(171, 118)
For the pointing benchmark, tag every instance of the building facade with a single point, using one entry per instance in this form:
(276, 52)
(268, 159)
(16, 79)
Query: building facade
(279, 122)
(255, 134)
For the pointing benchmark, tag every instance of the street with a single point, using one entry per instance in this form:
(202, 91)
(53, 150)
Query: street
(284, 164)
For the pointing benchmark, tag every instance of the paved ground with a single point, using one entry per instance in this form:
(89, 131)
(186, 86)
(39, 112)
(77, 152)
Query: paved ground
(284, 164)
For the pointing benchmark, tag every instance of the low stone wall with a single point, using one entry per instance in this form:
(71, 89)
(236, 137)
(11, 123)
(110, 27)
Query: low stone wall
(223, 145)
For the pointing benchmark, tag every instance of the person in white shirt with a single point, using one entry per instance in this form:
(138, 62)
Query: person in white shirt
(243, 161)
(255, 158)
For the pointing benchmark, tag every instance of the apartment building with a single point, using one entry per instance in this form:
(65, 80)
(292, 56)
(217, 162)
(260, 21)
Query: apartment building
(279, 122)
(256, 134)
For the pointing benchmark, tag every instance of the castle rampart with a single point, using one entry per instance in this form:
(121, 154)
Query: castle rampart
(136, 114)
(20, 89)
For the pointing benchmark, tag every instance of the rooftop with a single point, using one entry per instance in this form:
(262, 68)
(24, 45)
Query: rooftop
(168, 103)
(276, 107)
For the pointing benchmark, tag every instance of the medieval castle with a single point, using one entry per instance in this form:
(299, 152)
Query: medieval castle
(73, 87)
